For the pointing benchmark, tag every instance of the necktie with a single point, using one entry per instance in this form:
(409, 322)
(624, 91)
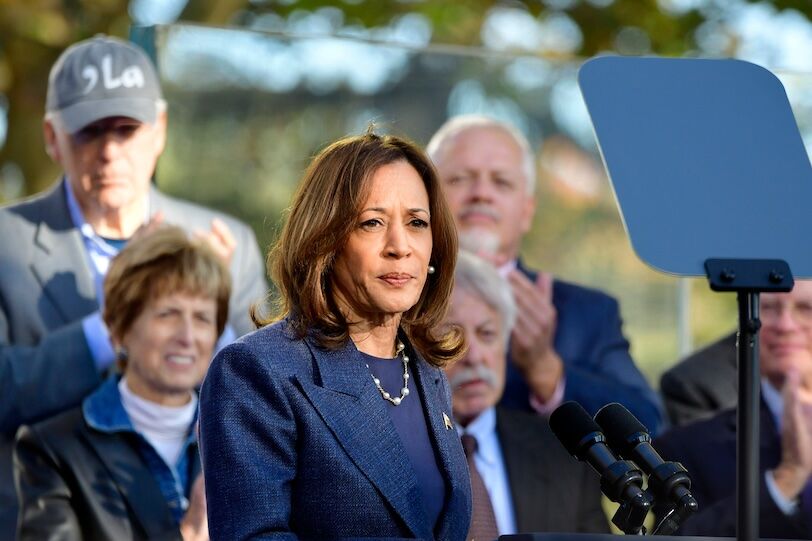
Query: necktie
(483, 522)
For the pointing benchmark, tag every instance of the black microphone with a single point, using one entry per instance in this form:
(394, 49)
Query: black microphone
(628, 436)
(621, 481)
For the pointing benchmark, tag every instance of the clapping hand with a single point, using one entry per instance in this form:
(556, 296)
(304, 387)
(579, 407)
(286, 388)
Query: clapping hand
(532, 347)
(795, 467)
(220, 239)
(195, 526)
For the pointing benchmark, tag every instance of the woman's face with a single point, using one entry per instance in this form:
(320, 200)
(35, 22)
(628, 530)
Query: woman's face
(382, 269)
(169, 347)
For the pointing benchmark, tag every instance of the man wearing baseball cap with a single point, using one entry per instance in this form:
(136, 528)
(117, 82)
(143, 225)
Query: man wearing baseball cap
(105, 125)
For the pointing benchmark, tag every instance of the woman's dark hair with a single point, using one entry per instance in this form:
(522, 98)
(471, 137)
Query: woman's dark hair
(324, 212)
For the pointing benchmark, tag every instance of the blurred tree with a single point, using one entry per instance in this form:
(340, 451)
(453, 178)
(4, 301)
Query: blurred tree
(259, 140)
(34, 32)
(32, 35)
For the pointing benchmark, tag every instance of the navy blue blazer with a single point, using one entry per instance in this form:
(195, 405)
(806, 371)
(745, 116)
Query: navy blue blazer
(597, 363)
(707, 449)
(297, 443)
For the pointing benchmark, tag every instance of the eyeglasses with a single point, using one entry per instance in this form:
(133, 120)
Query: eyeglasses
(800, 310)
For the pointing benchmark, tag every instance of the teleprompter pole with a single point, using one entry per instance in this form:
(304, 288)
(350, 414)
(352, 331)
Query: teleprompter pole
(748, 277)
(747, 417)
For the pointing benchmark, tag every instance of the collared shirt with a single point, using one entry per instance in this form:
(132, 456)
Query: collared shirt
(490, 463)
(99, 251)
(505, 268)
(99, 254)
(103, 411)
(555, 400)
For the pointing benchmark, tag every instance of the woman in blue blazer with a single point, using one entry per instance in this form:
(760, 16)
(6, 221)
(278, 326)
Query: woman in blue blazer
(333, 420)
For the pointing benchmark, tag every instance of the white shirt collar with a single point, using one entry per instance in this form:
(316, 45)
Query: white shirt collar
(505, 268)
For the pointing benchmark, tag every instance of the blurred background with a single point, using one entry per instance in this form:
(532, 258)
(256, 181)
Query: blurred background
(256, 87)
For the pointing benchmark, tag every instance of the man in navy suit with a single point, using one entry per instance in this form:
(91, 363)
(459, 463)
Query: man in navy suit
(567, 343)
(708, 448)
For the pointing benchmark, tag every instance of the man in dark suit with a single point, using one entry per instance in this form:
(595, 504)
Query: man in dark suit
(702, 384)
(567, 343)
(708, 448)
(105, 125)
(531, 483)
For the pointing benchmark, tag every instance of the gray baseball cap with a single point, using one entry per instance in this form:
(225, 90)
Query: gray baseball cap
(99, 78)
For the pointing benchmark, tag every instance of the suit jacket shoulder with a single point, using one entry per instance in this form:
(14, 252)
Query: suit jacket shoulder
(75, 480)
(597, 364)
(588, 296)
(541, 472)
(274, 348)
(576, 297)
(702, 384)
(33, 206)
(193, 215)
(247, 266)
(22, 220)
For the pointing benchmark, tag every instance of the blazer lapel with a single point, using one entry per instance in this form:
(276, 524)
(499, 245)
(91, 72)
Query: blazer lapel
(134, 482)
(768, 435)
(769, 438)
(353, 409)
(446, 441)
(60, 262)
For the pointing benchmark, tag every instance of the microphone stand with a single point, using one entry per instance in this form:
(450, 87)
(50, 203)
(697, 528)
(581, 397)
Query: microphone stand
(632, 511)
(673, 520)
(671, 477)
(630, 515)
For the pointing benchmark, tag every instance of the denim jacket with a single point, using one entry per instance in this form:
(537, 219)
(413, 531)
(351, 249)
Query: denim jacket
(103, 411)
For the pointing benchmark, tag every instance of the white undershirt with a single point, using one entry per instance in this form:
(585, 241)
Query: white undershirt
(164, 427)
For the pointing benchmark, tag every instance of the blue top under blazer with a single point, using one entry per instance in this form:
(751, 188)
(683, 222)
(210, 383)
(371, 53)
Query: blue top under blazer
(297, 443)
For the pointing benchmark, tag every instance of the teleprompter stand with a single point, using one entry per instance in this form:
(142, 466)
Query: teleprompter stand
(748, 277)
(712, 179)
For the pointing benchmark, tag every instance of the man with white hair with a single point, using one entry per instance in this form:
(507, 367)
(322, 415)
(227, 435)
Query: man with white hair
(522, 478)
(105, 125)
(567, 343)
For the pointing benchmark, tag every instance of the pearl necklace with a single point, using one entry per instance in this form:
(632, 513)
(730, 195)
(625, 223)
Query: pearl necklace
(404, 392)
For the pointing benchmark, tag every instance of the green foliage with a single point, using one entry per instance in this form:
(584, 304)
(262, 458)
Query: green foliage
(243, 149)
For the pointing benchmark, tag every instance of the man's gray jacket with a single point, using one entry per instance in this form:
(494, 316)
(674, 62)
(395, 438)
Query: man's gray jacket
(47, 287)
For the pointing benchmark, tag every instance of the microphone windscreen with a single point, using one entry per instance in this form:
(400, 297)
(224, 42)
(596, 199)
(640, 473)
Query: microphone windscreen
(571, 424)
(622, 429)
